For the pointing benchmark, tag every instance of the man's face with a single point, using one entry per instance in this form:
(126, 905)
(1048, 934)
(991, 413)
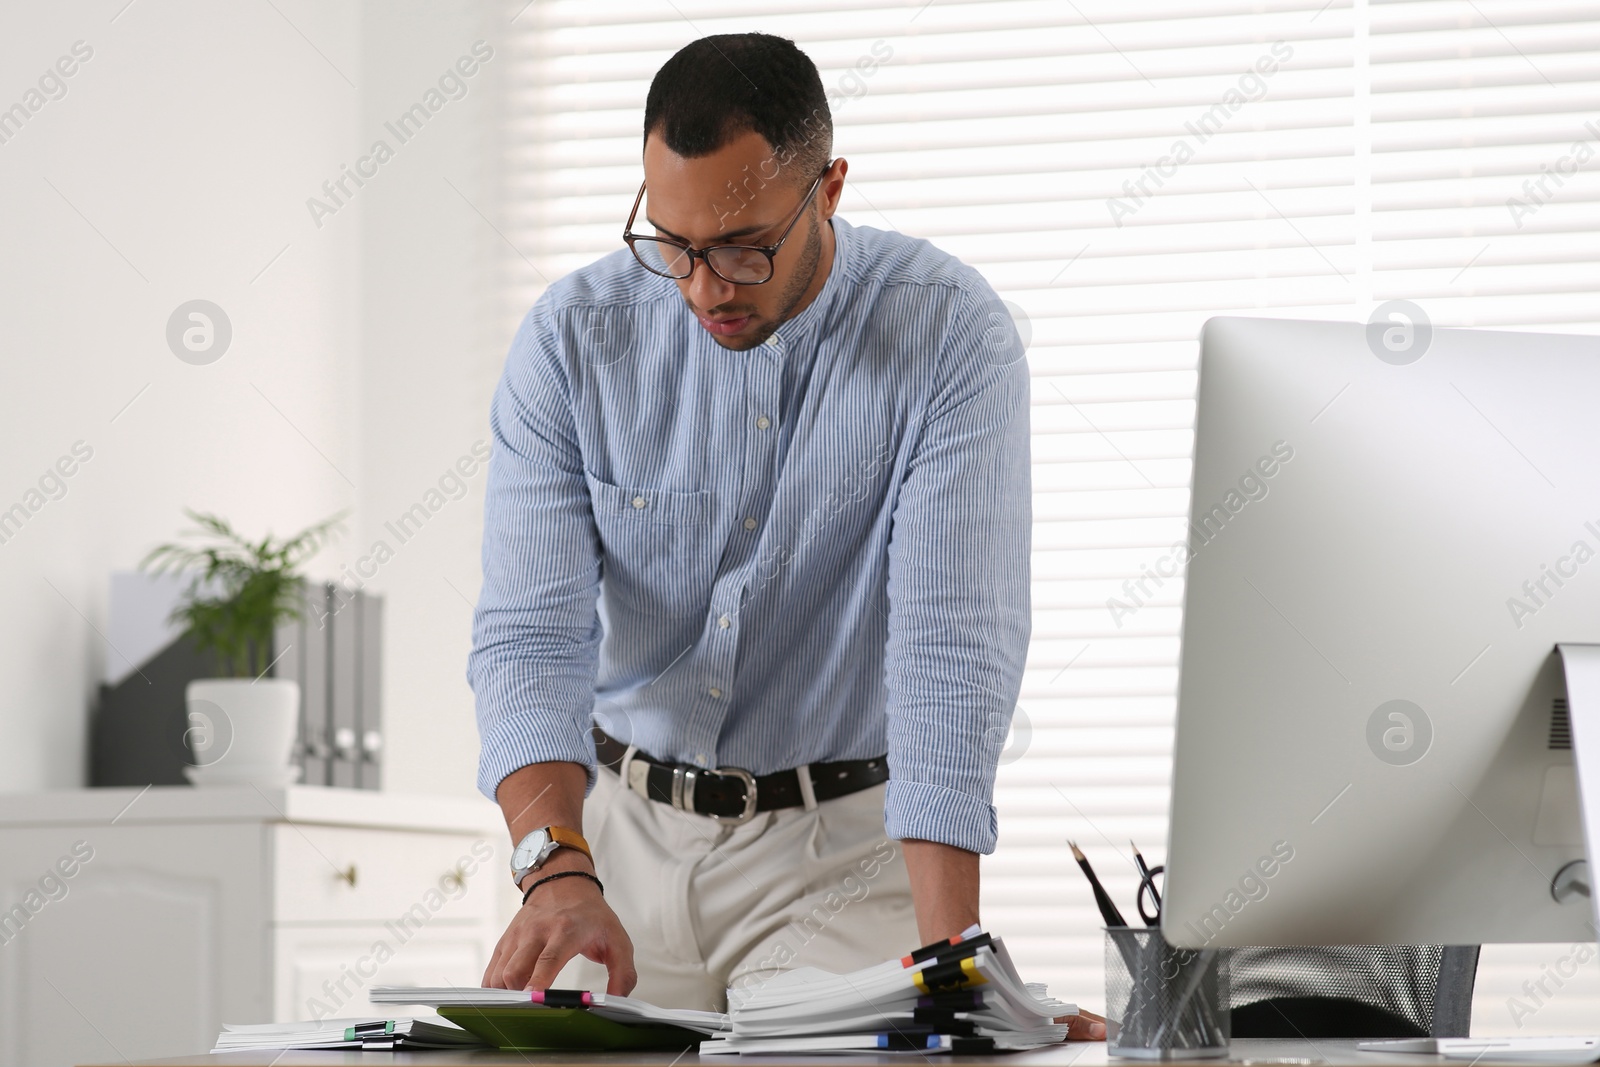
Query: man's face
(734, 196)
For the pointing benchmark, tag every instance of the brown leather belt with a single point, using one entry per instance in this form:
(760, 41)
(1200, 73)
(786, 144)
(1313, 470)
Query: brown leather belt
(733, 795)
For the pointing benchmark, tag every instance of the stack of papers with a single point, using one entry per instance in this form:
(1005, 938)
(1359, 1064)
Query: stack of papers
(625, 1010)
(963, 995)
(344, 1033)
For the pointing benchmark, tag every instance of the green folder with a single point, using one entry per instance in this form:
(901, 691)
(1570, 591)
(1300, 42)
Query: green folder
(519, 1027)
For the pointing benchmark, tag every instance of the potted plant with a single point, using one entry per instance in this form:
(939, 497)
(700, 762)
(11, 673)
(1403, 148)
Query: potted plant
(242, 724)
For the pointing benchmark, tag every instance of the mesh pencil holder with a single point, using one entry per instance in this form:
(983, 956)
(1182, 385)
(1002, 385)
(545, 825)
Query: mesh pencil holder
(1164, 1002)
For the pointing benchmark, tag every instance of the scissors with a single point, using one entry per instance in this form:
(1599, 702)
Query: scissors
(1147, 883)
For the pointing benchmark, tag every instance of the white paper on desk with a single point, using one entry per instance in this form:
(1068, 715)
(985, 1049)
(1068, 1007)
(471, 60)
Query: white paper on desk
(402, 1032)
(628, 1010)
(812, 1010)
(800, 976)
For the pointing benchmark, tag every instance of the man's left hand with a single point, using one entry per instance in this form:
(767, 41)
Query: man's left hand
(1084, 1026)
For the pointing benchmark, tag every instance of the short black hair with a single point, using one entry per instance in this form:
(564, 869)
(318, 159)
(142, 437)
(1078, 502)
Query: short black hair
(718, 87)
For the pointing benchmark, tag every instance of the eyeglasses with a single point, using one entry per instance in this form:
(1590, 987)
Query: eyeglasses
(738, 264)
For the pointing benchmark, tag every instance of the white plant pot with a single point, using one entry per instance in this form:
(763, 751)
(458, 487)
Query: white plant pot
(242, 731)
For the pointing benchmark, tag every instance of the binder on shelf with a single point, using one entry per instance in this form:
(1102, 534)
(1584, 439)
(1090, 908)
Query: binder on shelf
(369, 695)
(343, 628)
(304, 659)
(335, 652)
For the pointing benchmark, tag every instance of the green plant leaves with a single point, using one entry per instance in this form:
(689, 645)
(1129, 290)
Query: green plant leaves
(239, 590)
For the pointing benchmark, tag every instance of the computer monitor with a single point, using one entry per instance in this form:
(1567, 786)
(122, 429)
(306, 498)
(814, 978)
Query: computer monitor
(1390, 531)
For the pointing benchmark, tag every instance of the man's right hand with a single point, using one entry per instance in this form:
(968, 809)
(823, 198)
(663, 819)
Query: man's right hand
(562, 919)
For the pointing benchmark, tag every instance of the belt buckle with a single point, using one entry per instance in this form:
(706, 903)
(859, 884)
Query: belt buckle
(749, 781)
(683, 782)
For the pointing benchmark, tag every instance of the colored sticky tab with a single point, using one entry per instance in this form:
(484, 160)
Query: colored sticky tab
(954, 974)
(953, 949)
(927, 952)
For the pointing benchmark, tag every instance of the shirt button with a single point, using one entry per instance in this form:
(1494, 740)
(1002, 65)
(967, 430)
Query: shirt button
(639, 501)
(762, 422)
(749, 524)
(716, 693)
(700, 758)
(724, 622)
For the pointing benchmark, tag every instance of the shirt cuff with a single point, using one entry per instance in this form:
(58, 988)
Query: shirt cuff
(934, 813)
(514, 741)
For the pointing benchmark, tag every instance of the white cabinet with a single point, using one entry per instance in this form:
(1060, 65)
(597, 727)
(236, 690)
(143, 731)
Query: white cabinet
(326, 971)
(132, 924)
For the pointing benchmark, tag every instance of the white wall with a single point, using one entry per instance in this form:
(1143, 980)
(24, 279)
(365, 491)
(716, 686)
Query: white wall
(364, 345)
(433, 342)
(175, 167)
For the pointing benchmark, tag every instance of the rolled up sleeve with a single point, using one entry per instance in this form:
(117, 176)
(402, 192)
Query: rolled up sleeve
(958, 589)
(536, 630)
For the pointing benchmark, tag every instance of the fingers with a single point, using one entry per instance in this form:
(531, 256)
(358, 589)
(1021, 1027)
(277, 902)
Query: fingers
(547, 965)
(541, 941)
(520, 966)
(491, 973)
(621, 976)
(1085, 1026)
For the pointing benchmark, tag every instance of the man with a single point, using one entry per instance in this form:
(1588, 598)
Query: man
(789, 459)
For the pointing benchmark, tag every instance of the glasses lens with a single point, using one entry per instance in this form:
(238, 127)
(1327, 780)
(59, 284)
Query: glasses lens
(740, 265)
(663, 257)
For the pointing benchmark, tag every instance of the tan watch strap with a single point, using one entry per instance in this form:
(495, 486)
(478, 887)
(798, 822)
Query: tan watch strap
(570, 839)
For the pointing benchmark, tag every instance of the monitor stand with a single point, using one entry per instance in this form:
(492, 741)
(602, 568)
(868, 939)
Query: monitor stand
(1581, 665)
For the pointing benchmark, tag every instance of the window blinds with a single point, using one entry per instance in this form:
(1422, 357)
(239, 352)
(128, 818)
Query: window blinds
(1120, 172)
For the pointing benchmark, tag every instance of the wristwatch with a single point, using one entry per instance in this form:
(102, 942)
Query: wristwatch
(533, 850)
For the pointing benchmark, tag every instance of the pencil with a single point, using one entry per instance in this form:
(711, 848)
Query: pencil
(1108, 910)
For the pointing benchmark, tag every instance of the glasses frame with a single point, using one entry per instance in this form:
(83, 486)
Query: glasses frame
(770, 251)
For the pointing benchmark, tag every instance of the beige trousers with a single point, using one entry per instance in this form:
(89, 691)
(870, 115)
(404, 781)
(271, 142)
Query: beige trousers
(710, 906)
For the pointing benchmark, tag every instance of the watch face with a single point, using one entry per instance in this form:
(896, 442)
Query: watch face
(528, 851)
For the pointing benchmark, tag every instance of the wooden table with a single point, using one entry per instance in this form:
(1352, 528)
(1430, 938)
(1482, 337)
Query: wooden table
(1249, 1052)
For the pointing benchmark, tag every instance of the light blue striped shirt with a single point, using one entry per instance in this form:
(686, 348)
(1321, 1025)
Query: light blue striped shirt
(813, 550)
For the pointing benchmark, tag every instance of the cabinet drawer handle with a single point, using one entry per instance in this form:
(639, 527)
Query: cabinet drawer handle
(347, 876)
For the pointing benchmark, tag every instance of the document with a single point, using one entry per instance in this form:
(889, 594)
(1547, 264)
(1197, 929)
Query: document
(964, 995)
(344, 1034)
(626, 1010)
(960, 995)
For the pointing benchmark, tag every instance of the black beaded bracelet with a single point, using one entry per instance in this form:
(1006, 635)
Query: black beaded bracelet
(563, 874)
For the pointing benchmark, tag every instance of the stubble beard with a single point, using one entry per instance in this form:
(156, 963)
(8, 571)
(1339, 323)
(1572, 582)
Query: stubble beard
(810, 257)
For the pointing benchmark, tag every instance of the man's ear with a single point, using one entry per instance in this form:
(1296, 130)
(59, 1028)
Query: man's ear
(833, 188)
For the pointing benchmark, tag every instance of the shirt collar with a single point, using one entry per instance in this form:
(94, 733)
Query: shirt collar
(798, 329)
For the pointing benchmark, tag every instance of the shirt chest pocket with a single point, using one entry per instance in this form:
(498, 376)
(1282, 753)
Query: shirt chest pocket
(660, 557)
